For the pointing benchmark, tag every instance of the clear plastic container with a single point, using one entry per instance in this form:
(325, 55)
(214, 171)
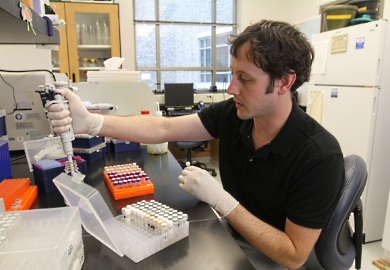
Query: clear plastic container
(122, 236)
(42, 239)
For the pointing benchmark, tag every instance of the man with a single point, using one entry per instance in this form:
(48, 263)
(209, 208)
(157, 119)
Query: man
(281, 171)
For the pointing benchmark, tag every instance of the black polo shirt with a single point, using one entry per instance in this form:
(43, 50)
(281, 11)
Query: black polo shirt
(298, 175)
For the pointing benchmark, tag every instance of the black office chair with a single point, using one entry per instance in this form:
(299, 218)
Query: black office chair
(197, 146)
(339, 245)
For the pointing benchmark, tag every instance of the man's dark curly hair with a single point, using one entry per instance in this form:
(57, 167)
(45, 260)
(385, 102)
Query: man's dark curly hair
(279, 49)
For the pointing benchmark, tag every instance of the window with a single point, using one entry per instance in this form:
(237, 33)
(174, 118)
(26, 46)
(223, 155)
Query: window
(184, 41)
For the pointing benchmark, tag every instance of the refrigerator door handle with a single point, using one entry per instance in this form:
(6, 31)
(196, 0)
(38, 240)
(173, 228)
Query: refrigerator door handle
(374, 106)
(378, 68)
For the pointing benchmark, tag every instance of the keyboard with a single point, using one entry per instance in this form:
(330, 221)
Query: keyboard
(181, 112)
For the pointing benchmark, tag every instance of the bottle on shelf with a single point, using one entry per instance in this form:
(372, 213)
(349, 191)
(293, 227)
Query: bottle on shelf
(93, 62)
(92, 35)
(78, 34)
(98, 33)
(84, 34)
(85, 62)
(106, 33)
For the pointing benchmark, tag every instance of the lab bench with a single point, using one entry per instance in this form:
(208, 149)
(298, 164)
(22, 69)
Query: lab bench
(209, 245)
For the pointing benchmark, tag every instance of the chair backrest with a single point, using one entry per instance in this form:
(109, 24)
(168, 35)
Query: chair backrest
(335, 248)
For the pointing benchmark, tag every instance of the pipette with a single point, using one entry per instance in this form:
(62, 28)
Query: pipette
(49, 97)
(68, 136)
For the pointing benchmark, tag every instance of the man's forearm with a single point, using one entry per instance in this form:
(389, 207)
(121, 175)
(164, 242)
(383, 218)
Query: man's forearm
(137, 128)
(154, 129)
(275, 244)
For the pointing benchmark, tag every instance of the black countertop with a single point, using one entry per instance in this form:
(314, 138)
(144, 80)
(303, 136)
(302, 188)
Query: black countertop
(209, 245)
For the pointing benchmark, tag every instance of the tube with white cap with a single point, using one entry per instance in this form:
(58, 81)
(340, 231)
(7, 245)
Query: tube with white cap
(159, 148)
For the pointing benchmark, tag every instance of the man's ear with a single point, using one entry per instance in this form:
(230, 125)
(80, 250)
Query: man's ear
(285, 84)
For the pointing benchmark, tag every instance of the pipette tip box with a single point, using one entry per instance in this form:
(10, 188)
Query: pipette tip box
(44, 177)
(49, 149)
(123, 146)
(91, 154)
(41, 239)
(87, 141)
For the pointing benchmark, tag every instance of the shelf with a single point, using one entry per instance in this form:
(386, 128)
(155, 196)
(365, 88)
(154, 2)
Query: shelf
(14, 29)
(90, 68)
(94, 47)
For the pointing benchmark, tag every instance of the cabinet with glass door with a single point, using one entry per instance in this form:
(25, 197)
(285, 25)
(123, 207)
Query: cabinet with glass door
(91, 36)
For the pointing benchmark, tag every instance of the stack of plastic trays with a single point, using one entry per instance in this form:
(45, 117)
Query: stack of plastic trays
(153, 224)
(127, 180)
(17, 193)
(5, 161)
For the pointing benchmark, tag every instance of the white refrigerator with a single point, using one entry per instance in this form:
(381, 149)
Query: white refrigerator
(349, 94)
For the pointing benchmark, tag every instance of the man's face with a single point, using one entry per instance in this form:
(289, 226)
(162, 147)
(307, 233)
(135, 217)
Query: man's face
(249, 86)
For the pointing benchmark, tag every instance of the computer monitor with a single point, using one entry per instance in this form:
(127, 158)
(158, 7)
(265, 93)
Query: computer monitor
(179, 95)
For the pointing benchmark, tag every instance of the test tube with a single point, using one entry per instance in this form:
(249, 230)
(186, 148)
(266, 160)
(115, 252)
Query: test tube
(175, 222)
(170, 229)
(14, 207)
(115, 183)
(19, 202)
(146, 223)
(164, 231)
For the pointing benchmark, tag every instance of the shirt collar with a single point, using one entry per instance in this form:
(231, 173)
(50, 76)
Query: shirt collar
(284, 141)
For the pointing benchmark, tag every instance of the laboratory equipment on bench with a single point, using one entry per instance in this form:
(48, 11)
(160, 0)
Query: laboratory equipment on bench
(99, 106)
(134, 233)
(25, 120)
(349, 94)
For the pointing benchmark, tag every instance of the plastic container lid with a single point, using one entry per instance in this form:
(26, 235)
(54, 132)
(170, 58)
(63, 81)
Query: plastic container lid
(96, 217)
(354, 2)
(89, 150)
(364, 19)
(341, 8)
(46, 148)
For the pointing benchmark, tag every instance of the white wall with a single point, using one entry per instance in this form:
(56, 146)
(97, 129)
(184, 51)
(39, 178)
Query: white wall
(301, 10)
(252, 11)
(24, 57)
(127, 33)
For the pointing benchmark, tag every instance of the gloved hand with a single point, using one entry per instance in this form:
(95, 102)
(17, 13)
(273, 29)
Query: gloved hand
(84, 122)
(204, 187)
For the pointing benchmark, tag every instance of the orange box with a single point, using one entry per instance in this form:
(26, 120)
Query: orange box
(12, 189)
(122, 193)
